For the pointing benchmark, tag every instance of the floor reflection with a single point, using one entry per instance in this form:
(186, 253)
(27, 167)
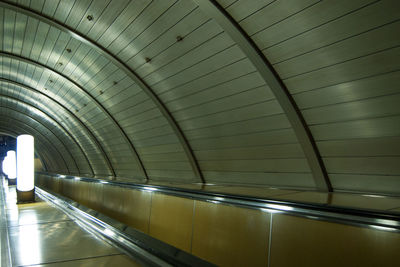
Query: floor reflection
(41, 234)
(29, 240)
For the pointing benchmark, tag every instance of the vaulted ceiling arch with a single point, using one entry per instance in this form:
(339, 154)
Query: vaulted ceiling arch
(57, 111)
(55, 158)
(79, 90)
(128, 71)
(267, 93)
(40, 152)
(18, 106)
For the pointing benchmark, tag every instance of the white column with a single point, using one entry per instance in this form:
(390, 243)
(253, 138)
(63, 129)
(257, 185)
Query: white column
(25, 163)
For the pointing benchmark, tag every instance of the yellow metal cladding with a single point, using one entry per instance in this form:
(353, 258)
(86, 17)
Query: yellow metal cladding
(306, 242)
(96, 196)
(84, 193)
(171, 220)
(229, 235)
(112, 201)
(135, 210)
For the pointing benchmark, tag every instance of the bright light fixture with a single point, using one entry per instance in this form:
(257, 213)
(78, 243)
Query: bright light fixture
(25, 165)
(5, 165)
(11, 165)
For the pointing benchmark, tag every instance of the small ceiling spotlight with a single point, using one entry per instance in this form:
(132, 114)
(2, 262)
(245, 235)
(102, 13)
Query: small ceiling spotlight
(68, 50)
(89, 17)
(179, 38)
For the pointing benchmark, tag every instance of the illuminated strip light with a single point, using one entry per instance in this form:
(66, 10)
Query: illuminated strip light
(25, 163)
(150, 188)
(279, 207)
(383, 228)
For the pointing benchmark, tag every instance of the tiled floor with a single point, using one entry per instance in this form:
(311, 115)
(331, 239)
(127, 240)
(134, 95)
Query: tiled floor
(41, 235)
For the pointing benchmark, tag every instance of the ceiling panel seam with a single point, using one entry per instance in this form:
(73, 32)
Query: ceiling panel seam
(34, 130)
(130, 73)
(253, 53)
(92, 136)
(59, 126)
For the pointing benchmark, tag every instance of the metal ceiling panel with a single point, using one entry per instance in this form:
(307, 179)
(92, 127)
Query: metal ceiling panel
(164, 88)
(62, 92)
(96, 82)
(318, 22)
(340, 62)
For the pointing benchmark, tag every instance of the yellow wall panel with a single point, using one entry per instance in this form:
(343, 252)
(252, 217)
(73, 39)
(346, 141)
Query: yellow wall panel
(112, 201)
(43, 181)
(66, 187)
(135, 211)
(95, 196)
(229, 235)
(74, 189)
(84, 191)
(305, 242)
(171, 220)
(55, 185)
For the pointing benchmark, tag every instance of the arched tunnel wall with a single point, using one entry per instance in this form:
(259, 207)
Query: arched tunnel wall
(299, 95)
(255, 97)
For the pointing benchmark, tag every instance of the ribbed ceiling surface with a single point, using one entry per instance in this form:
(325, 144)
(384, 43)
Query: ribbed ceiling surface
(300, 94)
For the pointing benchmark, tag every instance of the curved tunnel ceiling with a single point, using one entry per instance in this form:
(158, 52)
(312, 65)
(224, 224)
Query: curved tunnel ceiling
(48, 125)
(42, 153)
(259, 92)
(53, 157)
(56, 109)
